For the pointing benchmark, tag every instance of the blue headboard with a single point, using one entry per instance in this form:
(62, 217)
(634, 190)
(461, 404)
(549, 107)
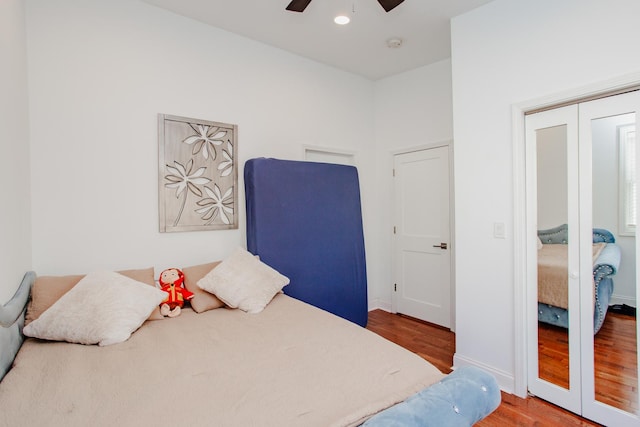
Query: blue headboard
(304, 219)
(560, 235)
(12, 321)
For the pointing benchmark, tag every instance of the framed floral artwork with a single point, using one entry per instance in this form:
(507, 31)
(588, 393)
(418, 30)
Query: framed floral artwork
(197, 174)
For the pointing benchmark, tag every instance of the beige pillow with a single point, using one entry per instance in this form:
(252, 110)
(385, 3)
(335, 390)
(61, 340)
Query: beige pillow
(202, 301)
(48, 289)
(242, 281)
(103, 308)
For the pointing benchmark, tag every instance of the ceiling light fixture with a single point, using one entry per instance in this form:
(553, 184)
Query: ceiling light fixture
(394, 42)
(342, 19)
(346, 10)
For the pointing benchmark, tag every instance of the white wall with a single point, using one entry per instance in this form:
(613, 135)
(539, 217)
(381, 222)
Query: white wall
(507, 52)
(100, 72)
(412, 109)
(606, 196)
(15, 223)
(551, 152)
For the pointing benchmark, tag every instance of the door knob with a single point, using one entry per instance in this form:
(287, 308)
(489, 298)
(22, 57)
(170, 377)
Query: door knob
(441, 246)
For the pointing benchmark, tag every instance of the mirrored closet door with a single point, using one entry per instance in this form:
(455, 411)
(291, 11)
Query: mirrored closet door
(582, 253)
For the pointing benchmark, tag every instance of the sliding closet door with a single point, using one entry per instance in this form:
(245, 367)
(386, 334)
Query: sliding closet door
(552, 200)
(609, 199)
(581, 163)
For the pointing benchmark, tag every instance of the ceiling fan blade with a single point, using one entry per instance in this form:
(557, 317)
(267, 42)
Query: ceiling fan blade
(298, 5)
(389, 4)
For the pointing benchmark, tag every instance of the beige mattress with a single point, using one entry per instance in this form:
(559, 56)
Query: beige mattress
(291, 365)
(553, 273)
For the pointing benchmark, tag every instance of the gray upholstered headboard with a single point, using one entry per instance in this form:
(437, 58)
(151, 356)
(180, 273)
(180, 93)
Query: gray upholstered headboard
(12, 321)
(560, 235)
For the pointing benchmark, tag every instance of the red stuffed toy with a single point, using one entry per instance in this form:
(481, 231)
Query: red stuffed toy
(171, 281)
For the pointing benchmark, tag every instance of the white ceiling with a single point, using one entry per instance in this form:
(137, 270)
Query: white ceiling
(359, 47)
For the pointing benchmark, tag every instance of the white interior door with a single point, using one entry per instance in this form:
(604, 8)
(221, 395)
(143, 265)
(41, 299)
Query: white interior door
(422, 253)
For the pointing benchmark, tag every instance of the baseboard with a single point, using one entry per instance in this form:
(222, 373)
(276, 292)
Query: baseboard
(378, 304)
(618, 299)
(505, 380)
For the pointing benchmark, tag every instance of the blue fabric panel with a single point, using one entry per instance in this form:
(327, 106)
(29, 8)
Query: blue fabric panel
(461, 399)
(560, 234)
(609, 257)
(304, 219)
(556, 235)
(553, 315)
(603, 296)
(12, 322)
(560, 317)
(600, 235)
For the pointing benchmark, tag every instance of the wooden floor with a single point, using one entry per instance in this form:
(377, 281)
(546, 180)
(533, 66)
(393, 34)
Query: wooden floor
(615, 360)
(437, 345)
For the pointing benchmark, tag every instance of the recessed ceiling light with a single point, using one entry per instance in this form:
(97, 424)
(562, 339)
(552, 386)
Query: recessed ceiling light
(341, 20)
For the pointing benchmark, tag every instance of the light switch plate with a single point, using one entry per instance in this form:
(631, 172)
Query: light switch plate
(498, 230)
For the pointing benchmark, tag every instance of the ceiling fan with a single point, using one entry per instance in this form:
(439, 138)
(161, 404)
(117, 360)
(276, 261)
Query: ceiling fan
(301, 5)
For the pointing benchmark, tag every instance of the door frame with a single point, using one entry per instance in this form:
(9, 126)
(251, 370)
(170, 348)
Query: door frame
(518, 111)
(452, 247)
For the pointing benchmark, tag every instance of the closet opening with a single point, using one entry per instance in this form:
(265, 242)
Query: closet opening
(576, 252)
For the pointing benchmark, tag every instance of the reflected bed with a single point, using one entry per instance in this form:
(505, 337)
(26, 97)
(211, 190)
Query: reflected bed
(553, 273)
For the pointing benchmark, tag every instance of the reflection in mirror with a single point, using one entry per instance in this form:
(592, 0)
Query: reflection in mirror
(552, 217)
(615, 346)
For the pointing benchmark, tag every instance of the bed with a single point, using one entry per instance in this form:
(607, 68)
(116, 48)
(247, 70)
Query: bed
(552, 275)
(238, 356)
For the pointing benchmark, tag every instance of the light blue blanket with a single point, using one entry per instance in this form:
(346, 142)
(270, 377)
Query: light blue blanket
(461, 399)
